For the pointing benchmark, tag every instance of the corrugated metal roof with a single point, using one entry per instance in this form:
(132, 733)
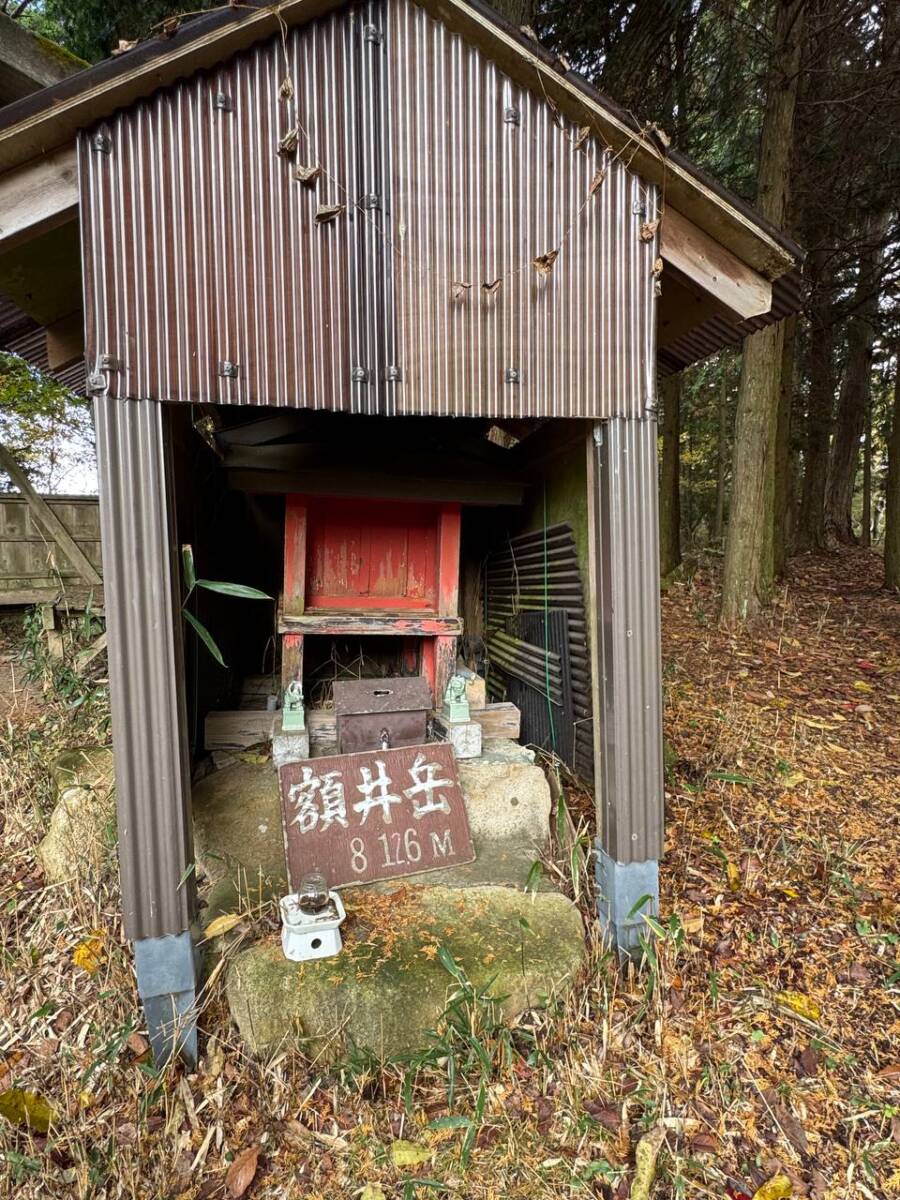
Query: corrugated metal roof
(53, 116)
(201, 247)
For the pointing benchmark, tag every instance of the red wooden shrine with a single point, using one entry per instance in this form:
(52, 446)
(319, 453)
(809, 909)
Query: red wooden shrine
(372, 567)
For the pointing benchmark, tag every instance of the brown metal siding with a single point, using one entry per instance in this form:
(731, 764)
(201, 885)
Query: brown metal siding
(626, 587)
(200, 246)
(145, 668)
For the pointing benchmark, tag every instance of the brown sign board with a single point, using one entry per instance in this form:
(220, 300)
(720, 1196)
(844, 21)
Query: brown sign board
(381, 814)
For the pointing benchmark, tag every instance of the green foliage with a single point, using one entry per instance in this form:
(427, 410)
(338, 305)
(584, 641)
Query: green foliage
(91, 29)
(239, 590)
(41, 421)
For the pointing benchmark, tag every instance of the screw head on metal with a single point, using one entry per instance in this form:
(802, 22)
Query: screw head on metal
(102, 143)
(639, 208)
(229, 369)
(372, 33)
(359, 374)
(512, 116)
(370, 201)
(97, 382)
(108, 362)
(511, 375)
(393, 374)
(224, 102)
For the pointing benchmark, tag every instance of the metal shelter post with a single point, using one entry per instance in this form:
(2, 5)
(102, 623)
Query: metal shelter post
(148, 714)
(628, 734)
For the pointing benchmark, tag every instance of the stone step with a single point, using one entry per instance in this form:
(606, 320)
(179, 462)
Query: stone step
(388, 990)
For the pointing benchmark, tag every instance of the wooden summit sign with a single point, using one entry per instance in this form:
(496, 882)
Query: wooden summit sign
(361, 817)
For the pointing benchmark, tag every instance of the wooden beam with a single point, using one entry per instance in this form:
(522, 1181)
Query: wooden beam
(48, 519)
(38, 196)
(709, 265)
(351, 625)
(65, 341)
(681, 310)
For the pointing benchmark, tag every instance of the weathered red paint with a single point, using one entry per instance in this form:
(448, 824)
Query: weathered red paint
(374, 566)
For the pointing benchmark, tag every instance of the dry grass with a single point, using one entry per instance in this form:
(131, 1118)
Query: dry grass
(766, 1021)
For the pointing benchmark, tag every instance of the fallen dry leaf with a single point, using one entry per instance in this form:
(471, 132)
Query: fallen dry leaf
(308, 175)
(408, 1154)
(222, 924)
(777, 1188)
(242, 1172)
(543, 263)
(328, 212)
(22, 1107)
(648, 230)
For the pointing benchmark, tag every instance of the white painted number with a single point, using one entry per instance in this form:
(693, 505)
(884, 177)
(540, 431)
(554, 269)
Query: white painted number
(358, 860)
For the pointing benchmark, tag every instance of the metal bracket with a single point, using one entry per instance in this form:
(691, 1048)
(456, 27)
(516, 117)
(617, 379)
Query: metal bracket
(97, 382)
(359, 375)
(102, 143)
(372, 33)
(512, 116)
(229, 369)
(370, 201)
(639, 208)
(512, 375)
(393, 374)
(598, 435)
(223, 102)
(108, 362)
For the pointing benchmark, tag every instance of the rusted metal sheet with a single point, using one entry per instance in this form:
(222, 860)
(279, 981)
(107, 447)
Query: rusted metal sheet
(372, 712)
(361, 817)
(28, 558)
(208, 278)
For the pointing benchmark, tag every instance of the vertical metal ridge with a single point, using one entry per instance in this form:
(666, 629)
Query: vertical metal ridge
(627, 590)
(204, 247)
(145, 668)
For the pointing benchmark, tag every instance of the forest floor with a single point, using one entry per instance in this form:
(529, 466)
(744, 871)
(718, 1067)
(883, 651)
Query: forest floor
(758, 1048)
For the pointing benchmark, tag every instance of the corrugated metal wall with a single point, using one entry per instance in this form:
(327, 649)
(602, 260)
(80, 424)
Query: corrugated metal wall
(201, 247)
(626, 588)
(143, 620)
(29, 558)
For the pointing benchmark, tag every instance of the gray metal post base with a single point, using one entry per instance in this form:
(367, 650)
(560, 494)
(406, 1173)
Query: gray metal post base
(622, 901)
(166, 970)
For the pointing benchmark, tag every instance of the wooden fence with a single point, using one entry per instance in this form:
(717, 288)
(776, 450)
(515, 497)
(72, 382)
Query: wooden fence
(31, 564)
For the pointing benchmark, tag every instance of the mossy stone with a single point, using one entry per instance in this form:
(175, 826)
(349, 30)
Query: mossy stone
(387, 991)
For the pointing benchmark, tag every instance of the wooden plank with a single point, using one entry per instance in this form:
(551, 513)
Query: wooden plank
(375, 815)
(499, 720)
(351, 624)
(291, 659)
(448, 559)
(295, 530)
(65, 341)
(40, 195)
(49, 520)
(15, 597)
(237, 729)
(86, 656)
(444, 665)
(709, 265)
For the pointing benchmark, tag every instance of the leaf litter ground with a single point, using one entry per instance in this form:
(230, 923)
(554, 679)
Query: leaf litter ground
(759, 1044)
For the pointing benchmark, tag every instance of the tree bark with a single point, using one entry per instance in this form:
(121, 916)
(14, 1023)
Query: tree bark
(747, 575)
(892, 495)
(721, 455)
(783, 498)
(820, 406)
(856, 388)
(865, 533)
(670, 477)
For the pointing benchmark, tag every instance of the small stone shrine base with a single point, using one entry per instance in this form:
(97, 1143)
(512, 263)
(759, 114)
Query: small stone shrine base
(387, 991)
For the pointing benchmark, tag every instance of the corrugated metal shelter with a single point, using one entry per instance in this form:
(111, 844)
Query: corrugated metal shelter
(342, 214)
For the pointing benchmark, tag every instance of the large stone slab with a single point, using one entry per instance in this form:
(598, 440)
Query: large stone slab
(81, 830)
(388, 989)
(238, 841)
